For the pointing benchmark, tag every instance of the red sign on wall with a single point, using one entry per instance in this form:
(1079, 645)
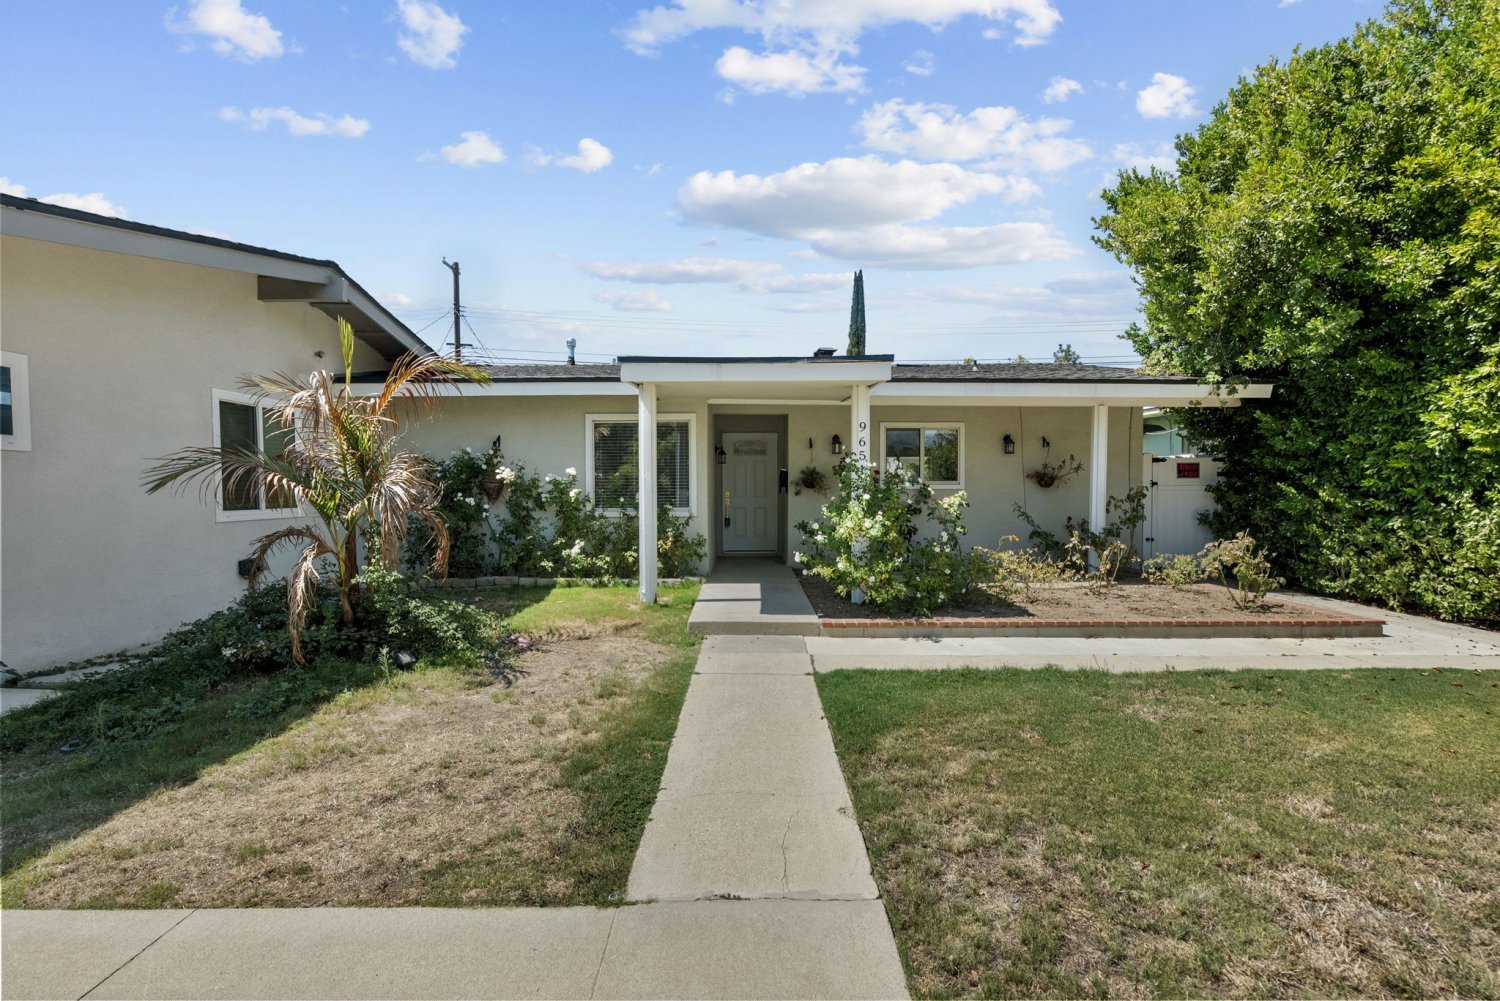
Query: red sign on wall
(1187, 470)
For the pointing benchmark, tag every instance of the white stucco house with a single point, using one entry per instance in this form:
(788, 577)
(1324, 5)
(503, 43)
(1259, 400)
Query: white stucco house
(120, 343)
(124, 342)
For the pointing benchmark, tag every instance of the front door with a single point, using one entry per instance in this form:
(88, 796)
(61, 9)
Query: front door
(750, 493)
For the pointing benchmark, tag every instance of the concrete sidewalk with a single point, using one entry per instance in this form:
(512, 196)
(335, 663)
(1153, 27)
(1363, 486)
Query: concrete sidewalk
(752, 596)
(1410, 641)
(701, 949)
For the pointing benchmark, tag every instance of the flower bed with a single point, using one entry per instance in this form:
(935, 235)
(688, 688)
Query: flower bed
(1130, 608)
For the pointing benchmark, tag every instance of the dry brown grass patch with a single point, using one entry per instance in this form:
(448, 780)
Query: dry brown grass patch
(427, 787)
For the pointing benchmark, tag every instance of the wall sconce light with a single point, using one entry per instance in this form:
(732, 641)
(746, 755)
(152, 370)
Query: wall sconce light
(1010, 445)
(838, 445)
(496, 443)
(720, 455)
(1045, 442)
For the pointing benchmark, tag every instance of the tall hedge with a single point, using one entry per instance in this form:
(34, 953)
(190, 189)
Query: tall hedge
(1335, 229)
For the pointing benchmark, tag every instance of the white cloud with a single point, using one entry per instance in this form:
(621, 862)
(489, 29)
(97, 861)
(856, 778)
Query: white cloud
(592, 157)
(476, 149)
(398, 299)
(1288, 3)
(792, 72)
(432, 36)
(921, 63)
(930, 248)
(1168, 96)
(1002, 136)
(1137, 156)
(93, 202)
(804, 40)
(320, 124)
(689, 271)
(230, 29)
(643, 301)
(1060, 89)
(830, 24)
(799, 283)
(1108, 294)
(843, 193)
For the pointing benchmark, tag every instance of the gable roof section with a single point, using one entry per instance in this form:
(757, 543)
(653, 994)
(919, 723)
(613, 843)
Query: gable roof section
(282, 277)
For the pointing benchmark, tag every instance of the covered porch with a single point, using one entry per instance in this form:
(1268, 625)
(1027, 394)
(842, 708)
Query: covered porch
(993, 423)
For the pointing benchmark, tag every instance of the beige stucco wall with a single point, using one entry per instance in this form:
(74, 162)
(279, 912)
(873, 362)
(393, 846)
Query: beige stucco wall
(548, 434)
(124, 353)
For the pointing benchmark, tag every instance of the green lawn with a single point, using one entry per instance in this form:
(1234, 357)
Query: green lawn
(1246, 834)
(447, 785)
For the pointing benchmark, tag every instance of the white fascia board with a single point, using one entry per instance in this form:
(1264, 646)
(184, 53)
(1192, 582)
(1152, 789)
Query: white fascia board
(1119, 394)
(76, 233)
(538, 388)
(841, 372)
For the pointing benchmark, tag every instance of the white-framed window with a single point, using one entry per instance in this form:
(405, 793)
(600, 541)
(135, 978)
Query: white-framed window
(241, 422)
(611, 461)
(935, 450)
(15, 402)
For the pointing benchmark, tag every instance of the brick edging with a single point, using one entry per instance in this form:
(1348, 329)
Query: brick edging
(1323, 623)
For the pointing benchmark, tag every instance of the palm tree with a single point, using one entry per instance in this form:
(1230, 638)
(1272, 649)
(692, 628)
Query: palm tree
(342, 460)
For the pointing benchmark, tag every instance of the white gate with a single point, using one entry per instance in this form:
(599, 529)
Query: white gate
(1177, 496)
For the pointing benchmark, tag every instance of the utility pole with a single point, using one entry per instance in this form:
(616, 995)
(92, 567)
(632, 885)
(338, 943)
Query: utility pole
(458, 339)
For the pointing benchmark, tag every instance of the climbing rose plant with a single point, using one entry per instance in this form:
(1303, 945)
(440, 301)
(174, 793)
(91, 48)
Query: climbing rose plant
(866, 543)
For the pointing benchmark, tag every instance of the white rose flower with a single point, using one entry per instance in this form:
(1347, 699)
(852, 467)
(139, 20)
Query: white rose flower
(570, 471)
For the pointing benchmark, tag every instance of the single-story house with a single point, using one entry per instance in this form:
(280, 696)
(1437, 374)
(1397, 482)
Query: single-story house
(124, 342)
(736, 432)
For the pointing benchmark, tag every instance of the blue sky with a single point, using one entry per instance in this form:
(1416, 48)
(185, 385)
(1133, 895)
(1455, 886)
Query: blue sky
(699, 177)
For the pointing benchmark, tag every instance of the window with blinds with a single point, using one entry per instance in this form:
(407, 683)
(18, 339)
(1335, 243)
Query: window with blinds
(616, 458)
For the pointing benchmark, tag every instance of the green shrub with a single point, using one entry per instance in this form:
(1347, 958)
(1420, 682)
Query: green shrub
(1110, 546)
(866, 542)
(155, 689)
(505, 520)
(1332, 229)
(1013, 572)
(1176, 571)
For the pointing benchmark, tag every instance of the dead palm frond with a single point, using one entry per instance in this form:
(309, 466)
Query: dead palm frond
(342, 459)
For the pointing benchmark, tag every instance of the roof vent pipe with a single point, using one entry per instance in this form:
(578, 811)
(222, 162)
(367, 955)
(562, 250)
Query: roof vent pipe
(572, 347)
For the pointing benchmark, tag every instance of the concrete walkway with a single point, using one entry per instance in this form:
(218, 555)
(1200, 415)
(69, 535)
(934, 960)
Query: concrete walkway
(752, 803)
(752, 596)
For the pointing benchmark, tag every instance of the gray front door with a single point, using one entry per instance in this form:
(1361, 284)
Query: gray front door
(750, 493)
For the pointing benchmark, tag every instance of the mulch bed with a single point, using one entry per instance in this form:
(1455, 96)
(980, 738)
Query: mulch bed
(1129, 599)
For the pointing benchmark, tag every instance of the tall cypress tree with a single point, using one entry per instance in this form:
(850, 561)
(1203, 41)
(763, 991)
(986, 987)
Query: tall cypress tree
(857, 317)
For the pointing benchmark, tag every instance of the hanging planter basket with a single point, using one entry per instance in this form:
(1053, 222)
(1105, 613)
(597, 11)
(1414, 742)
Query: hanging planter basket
(1050, 475)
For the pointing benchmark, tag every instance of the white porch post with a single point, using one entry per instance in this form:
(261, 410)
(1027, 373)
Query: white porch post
(1098, 469)
(860, 433)
(646, 498)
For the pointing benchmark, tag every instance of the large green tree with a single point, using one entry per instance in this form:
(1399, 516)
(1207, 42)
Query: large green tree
(1334, 228)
